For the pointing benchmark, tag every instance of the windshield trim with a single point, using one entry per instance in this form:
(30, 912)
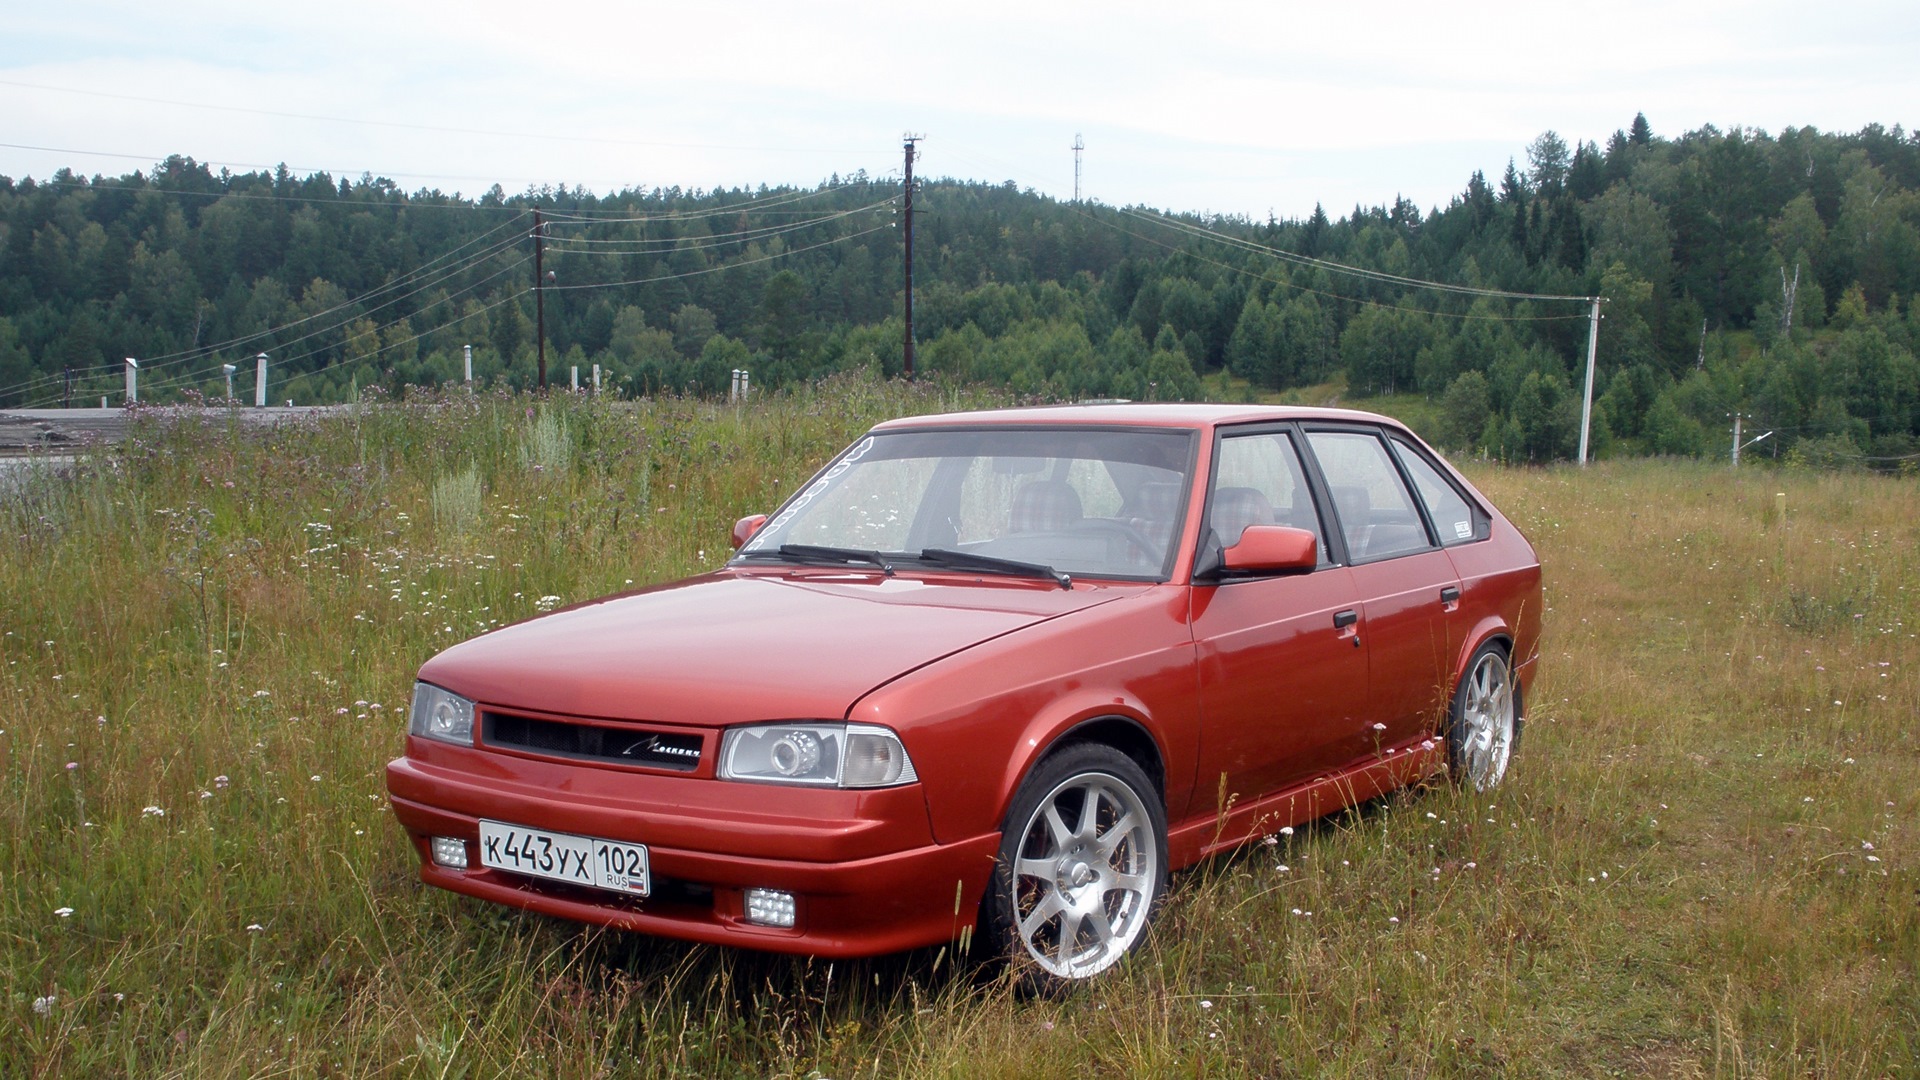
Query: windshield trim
(748, 555)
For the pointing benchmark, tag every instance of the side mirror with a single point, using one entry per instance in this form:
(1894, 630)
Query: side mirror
(1272, 549)
(744, 529)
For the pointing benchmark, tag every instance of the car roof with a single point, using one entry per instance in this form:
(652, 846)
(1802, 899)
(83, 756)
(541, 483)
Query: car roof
(1133, 414)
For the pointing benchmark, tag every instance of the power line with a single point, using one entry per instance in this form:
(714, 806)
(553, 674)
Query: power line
(174, 359)
(254, 165)
(1342, 268)
(404, 126)
(668, 244)
(152, 187)
(723, 266)
(1296, 286)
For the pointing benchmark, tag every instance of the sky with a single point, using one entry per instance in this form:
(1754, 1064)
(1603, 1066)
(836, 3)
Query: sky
(1205, 106)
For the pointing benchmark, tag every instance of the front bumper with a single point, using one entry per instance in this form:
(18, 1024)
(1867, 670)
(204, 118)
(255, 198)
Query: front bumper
(866, 876)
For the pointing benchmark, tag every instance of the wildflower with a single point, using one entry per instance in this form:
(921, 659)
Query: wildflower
(1393, 918)
(1379, 727)
(1282, 868)
(152, 811)
(1287, 830)
(43, 1006)
(63, 912)
(221, 781)
(1205, 1004)
(1866, 845)
(262, 693)
(72, 765)
(315, 778)
(254, 928)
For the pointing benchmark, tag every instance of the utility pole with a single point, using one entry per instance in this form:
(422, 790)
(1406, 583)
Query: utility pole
(539, 301)
(1586, 398)
(1736, 440)
(1079, 144)
(906, 212)
(66, 399)
(133, 381)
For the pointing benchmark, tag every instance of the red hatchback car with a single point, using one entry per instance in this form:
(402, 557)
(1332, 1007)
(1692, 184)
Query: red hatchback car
(997, 672)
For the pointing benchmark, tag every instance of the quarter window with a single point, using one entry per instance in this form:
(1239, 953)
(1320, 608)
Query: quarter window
(1456, 519)
(1376, 512)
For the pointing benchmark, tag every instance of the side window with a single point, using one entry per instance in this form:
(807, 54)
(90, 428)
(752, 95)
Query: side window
(1458, 521)
(1257, 480)
(1375, 510)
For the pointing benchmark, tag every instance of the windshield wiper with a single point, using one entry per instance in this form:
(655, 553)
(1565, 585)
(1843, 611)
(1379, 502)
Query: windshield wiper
(821, 553)
(993, 565)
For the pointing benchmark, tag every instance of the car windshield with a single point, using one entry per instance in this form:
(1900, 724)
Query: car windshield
(1081, 501)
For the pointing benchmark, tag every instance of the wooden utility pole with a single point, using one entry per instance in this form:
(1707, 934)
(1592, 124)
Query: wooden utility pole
(906, 214)
(539, 302)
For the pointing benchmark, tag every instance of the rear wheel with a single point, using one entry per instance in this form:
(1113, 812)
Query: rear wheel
(1485, 720)
(1083, 861)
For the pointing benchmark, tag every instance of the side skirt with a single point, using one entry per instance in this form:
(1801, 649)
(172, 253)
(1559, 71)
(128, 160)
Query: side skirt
(1396, 766)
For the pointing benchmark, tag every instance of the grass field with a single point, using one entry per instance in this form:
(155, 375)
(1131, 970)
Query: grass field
(1705, 861)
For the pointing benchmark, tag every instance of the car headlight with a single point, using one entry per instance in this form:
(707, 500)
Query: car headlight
(438, 714)
(820, 755)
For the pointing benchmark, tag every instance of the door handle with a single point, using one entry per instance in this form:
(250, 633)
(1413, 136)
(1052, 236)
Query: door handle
(1450, 594)
(1344, 619)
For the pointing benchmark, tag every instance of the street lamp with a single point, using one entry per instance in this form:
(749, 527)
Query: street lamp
(260, 382)
(229, 369)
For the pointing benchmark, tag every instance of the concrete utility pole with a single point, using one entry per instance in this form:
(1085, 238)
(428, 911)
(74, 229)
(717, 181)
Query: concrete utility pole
(260, 381)
(906, 214)
(1586, 398)
(133, 381)
(229, 369)
(468, 349)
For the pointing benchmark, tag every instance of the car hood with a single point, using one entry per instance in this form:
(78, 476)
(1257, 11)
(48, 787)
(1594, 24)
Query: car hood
(737, 646)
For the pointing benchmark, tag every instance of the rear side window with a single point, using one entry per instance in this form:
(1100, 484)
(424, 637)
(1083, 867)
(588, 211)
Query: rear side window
(1457, 520)
(1376, 511)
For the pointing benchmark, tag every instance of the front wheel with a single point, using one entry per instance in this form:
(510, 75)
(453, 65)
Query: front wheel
(1485, 720)
(1083, 861)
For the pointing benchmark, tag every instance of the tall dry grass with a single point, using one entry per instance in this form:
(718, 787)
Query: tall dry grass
(1703, 862)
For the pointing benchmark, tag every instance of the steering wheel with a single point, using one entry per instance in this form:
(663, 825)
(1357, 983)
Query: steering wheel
(1146, 549)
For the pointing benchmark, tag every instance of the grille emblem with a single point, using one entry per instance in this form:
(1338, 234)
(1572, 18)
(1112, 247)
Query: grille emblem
(652, 745)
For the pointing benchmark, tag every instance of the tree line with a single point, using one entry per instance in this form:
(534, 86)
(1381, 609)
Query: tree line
(1777, 276)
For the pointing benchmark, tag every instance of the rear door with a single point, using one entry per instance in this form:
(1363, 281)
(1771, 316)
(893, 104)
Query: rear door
(1408, 590)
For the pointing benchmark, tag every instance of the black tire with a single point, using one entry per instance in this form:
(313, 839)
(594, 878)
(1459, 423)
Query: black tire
(1082, 866)
(1483, 725)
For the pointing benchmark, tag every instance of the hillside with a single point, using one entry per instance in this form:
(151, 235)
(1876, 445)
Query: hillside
(1771, 275)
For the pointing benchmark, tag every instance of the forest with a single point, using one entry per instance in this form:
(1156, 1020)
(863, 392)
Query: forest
(1776, 276)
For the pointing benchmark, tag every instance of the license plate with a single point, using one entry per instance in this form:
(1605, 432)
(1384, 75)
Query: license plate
(579, 860)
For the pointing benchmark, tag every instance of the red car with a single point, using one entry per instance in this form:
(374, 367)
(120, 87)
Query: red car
(995, 672)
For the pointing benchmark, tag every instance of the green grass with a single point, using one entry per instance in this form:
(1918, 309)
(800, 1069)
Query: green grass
(222, 625)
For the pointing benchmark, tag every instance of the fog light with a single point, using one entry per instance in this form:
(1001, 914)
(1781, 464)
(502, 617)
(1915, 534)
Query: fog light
(769, 907)
(450, 852)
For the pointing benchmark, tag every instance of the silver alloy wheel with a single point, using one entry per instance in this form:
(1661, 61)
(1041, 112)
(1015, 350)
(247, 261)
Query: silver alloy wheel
(1484, 727)
(1084, 877)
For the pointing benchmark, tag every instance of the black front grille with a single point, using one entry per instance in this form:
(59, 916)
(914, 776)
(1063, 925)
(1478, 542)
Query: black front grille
(591, 742)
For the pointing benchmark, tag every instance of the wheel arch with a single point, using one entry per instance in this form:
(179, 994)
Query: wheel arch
(1124, 733)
